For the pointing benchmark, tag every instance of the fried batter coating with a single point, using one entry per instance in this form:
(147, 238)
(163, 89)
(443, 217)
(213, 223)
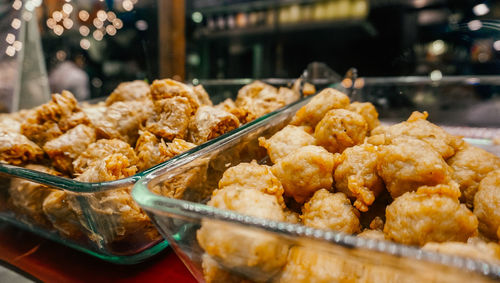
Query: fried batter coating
(305, 171)
(101, 149)
(64, 213)
(147, 149)
(258, 99)
(368, 111)
(27, 197)
(112, 167)
(17, 149)
(123, 119)
(327, 210)
(288, 95)
(128, 91)
(340, 129)
(418, 127)
(9, 123)
(470, 165)
(286, 141)
(176, 147)
(171, 118)
(356, 175)
(431, 214)
(202, 95)
(228, 105)
(209, 123)
(487, 205)
(64, 149)
(167, 88)
(95, 112)
(311, 113)
(214, 273)
(262, 255)
(408, 163)
(475, 249)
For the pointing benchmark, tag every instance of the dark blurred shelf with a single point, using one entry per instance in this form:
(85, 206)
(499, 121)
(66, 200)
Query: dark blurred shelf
(231, 6)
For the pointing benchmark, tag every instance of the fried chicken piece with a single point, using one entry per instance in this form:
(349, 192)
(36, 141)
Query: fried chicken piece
(64, 149)
(17, 149)
(431, 214)
(408, 163)
(311, 113)
(95, 112)
(258, 99)
(368, 111)
(128, 91)
(288, 95)
(101, 149)
(123, 119)
(228, 105)
(474, 249)
(171, 118)
(340, 129)
(209, 123)
(214, 273)
(356, 175)
(470, 165)
(327, 210)
(286, 141)
(167, 88)
(64, 213)
(256, 254)
(27, 197)
(418, 127)
(202, 95)
(147, 149)
(305, 171)
(487, 205)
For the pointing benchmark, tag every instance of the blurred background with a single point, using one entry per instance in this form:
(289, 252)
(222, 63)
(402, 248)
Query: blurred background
(90, 46)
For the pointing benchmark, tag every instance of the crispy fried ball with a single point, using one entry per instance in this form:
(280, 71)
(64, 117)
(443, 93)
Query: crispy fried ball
(470, 165)
(368, 111)
(214, 273)
(305, 171)
(487, 205)
(127, 91)
(327, 210)
(286, 141)
(408, 163)
(356, 175)
(340, 129)
(432, 214)
(257, 99)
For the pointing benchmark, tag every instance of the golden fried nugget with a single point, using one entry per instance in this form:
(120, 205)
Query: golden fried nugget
(17, 149)
(431, 214)
(470, 165)
(474, 249)
(101, 149)
(147, 149)
(327, 210)
(228, 105)
(64, 149)
(202, 95)
(167, 88)
(128, 91)
(209, 123)
(259, 255)
(171, 118)
(112, 167)
(311, 113)
(340, 129)
(286, 141)
(368, 111)
(214, 273)
(288, 95)
(305, 171)
(356, 175)
(487, 205)
(408, 163)
(64, 213)
(258, 99)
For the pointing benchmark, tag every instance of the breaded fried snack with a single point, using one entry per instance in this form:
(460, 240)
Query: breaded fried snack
(258, 99)
(147, 149)
(228, 105)
(202, 95)
(474, 249)
(487, 205)
(171, 118)
(288, 95)
(64, 213)
(286, 141)
(167, 88)
(176, 147)
(368, 111)
(209, 123)
(129, 91)
(17, 149)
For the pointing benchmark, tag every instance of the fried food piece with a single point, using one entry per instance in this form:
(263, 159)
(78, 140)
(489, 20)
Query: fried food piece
(408, 163)
(171, 118)
(431, 214)
(9, 123)
(305, 171)
(327, 210)
(311, 113)
(174, 148)
(112, 167)
(474, 249)
(253, 176)
(288, 95)
(470, 165)
(64, 149)
(202, 95)
(258, 99)
(54, 118)
(95, 112)
(123, 119)
(340, 129)
(64, 213)
(368, 111)
(209, 123)
(487, 205)
(167, 88)
(418, 127)
(147, 149)
(356, 175)
(228, 105)
(255, 254)
(128, 91)
(27, 197)
(17, 149)
(101, 149)
(214, 273)
(372, 234)
(286, 141)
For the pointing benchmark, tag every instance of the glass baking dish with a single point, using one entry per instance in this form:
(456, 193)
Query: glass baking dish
(174, 196)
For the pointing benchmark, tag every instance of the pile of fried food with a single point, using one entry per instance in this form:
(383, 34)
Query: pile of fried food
(414, 183)
(137, 127)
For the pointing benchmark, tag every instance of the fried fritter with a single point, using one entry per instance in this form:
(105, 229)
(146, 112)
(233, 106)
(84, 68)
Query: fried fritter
(167, 88)
(209, 123)
(202, 95)
(17, 149)
(368, 111)
(64, 213)
(487, 205)
(288, 95)
(228, 105)
(129, 91)
(171, 118)
(474, 248)
(176, 147)
(148, 153)
(286, 141)
(258, 99)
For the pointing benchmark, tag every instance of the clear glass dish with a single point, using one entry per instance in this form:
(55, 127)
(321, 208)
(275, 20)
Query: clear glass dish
(174, 196)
